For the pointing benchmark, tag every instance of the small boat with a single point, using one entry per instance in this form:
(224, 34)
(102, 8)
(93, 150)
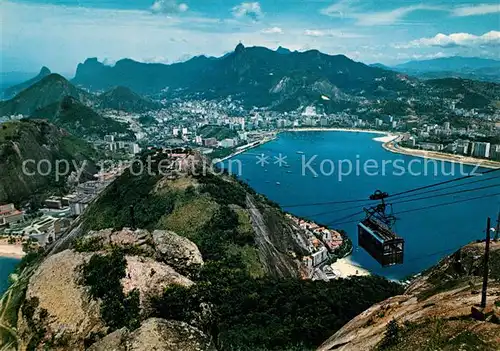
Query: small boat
(300, 152)
(316, 176)
(278, 183)
(288, 171)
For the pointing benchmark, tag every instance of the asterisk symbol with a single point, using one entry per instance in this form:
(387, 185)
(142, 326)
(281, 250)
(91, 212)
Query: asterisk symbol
(280, 160)
(262, 160)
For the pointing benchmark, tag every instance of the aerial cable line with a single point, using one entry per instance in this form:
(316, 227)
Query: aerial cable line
(442, 183)
(421, 208)
(414, 199)
(400, 193)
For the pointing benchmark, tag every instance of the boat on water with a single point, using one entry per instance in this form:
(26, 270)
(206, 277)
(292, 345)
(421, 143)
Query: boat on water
(300, 152)
(278, 183)
(288, 171)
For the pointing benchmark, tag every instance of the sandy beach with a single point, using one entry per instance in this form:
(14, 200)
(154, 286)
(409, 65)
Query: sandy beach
(11, 250)
(344, 268)
(386, 139)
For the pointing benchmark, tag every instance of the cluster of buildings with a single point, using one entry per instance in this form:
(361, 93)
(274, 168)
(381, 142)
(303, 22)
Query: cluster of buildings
(56, 215)
(436, 138)
(126, 146)
(320, 242)
(9, 214)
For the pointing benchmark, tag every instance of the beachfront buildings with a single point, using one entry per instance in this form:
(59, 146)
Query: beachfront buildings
(9, 214)
(321, 241)
(481, 150)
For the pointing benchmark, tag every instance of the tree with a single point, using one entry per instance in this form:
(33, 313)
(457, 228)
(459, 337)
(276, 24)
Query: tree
(392, 335)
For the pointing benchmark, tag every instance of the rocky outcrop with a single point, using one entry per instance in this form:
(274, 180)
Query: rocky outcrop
(56, 306)
(162, 245)
(435, 311)
(150, 277)
(59, 313)
(156, 334)
(175, 249)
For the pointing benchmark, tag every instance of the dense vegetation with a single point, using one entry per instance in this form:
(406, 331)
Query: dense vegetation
(102, 275)
(38, 140)
(270, 314)
(124, 99)
(217, 132)
(81, 120)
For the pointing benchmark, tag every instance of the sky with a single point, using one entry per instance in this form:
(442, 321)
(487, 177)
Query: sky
(62, 33)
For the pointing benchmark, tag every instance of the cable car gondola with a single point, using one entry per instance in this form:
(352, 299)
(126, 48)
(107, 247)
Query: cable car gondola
(376, 236)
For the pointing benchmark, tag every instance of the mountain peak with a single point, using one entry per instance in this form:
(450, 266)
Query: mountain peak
(282, 50)
(239, 48)
(44, 71)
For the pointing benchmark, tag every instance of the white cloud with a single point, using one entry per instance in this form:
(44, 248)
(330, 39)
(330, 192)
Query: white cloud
(476, 10)
(168, 6)
(272, 30)
(391, 17)
(248, 9)
(331, 33)
(340, 9)
(457, 39)
(345, 9)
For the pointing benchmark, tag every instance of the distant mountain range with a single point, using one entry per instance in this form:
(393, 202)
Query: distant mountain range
(446, 67)
(256, 75)
(279, 80)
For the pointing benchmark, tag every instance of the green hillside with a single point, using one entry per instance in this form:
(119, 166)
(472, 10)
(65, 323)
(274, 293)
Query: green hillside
(49, 90)
(124, 99)
(257, 301)
(37, 140)
(81, 120)
(217, 132)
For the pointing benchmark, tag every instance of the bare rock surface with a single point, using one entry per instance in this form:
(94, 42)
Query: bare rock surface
(156, 334)
(150, 277)
(56, 303)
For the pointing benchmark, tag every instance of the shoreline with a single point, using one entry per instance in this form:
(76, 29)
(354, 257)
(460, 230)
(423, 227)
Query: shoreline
(439, 156)
(389, 140)
(11, 251)
(357, 130)
(347, 268)
(247, 147)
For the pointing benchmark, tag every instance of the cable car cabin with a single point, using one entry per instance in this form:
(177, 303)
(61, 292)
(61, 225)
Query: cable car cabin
(380, 242)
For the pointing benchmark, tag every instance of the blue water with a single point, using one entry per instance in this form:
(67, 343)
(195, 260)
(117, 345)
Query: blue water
(430, 234)
(7, 266)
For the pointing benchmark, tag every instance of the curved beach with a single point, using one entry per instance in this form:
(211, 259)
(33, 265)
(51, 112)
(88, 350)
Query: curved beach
(392, 146)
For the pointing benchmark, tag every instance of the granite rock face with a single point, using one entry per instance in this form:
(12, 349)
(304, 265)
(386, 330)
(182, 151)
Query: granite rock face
(156, 334)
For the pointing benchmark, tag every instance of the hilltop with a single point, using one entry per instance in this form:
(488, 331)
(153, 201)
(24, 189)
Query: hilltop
(37, 140)
(81, 120)
(212, 267)
(16, 89)
(51, 89)
(434, 312)
(124, 99)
